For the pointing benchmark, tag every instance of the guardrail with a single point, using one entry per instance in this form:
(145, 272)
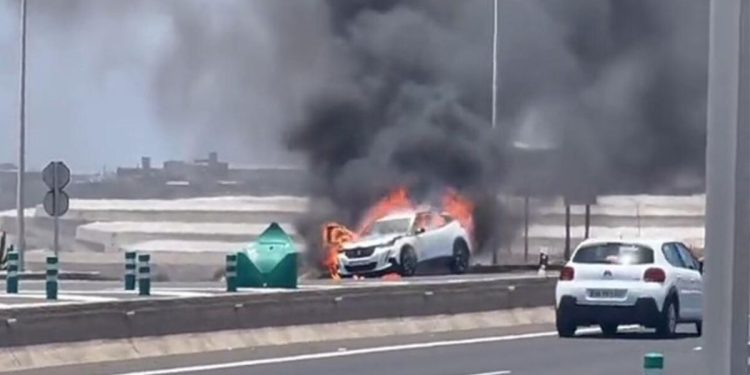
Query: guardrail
(149, 317)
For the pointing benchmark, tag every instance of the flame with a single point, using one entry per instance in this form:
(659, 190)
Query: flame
(461, 209)
(398, 200)
(335, 235)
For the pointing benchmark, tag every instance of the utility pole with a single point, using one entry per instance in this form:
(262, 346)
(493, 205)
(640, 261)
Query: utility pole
(495, 249)
(20, 186)
(727, 282)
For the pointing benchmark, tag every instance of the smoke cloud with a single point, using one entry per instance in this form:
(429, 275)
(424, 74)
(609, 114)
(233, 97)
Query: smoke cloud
(374, 94)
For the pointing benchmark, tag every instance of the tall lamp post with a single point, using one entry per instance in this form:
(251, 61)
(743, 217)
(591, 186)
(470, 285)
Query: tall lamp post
(21, 228)
(727, 280)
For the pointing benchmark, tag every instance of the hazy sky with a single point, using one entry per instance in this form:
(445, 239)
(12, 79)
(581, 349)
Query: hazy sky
(78, 112)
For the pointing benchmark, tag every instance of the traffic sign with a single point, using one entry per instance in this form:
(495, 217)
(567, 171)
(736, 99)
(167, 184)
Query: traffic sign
(56, 175)
(56, 205)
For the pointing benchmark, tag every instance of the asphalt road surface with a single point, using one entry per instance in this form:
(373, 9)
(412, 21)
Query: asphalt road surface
(529, 350)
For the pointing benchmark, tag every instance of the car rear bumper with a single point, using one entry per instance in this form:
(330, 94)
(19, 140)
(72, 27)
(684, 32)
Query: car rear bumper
(644, 312)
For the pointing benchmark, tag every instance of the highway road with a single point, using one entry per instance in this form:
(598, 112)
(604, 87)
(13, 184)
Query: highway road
(527, 350)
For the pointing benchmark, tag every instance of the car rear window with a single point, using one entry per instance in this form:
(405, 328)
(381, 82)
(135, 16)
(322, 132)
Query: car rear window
(614, 253)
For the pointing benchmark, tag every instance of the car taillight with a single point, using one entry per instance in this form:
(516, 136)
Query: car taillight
(654, 275)
(567, 274)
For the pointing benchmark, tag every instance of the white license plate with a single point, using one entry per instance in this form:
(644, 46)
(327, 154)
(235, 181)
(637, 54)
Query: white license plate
(606, 293)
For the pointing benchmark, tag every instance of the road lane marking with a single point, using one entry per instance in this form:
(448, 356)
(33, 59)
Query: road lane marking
(348, 353)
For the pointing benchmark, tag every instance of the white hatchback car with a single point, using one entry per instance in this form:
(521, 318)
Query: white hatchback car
(653, 283)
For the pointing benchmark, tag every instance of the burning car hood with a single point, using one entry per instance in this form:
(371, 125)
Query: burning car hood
(373, 240)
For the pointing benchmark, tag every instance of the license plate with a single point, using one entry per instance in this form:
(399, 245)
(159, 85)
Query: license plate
(606, 293)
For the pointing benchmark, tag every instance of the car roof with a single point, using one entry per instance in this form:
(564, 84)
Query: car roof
(654, 243)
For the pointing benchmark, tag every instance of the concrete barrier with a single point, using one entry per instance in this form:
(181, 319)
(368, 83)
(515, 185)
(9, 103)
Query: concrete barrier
(149, 317)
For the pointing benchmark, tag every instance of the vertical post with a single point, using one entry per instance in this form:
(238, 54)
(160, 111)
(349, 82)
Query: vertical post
(653, 364)
(495, 248)
(56, 205)
(727, 282)
(588, 221)
(567, 231)
(526, 230)
(52, 274)
(20, 186)
(144, 275)
(231, 272)
(11, 284)
(130, 270)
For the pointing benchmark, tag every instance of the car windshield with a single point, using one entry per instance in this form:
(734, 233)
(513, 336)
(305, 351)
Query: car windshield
(614, 253)
(391, 226)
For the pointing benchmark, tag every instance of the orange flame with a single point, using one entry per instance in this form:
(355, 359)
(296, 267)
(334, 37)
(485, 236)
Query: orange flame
(334, 237)
(398, 200)
(461, 209)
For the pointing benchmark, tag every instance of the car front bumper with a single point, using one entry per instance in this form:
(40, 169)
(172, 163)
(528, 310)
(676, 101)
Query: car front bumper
(381, 260)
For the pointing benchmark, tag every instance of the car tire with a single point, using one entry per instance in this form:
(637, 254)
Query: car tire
(408, 262)
(566, 327)
(699, 328)
(460, 261)
(667, 325)
(608, 329)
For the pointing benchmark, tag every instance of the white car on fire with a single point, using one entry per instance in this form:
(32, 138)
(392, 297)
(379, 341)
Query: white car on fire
(399, 242)
(653, 283)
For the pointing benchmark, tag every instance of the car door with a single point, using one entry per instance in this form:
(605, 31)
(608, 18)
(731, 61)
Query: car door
(425, 238)
(694, 278)
(681, 283)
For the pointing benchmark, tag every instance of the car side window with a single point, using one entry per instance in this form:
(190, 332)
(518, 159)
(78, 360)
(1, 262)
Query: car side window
(687, 257)
(673, 255)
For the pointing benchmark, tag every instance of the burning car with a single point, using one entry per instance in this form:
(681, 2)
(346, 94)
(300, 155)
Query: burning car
(400, 241)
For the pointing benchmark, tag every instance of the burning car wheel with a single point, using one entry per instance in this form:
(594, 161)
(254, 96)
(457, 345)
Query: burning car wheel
(460, 261)
(408, 259)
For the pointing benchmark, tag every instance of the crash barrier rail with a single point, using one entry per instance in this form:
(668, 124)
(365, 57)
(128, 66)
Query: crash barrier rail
(144, 275)
(154, 317)
(653, 364)
(230, 273)
(51, 282)
(11, 285)
(130, 270)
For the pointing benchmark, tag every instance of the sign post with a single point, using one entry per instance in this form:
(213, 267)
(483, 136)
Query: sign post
(56, 202)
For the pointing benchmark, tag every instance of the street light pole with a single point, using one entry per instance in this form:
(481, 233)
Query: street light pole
(21, 228)
(494, 95)
(727, 281)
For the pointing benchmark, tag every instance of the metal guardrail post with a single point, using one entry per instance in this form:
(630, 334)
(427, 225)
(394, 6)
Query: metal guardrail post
(11, 284)
(231, 272)
(52, 275)
(144, 275)
(130, 270)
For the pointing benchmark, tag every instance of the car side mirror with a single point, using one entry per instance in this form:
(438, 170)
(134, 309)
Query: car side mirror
(420, 230)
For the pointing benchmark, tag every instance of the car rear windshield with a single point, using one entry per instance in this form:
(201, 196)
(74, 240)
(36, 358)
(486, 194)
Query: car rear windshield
(614, 253)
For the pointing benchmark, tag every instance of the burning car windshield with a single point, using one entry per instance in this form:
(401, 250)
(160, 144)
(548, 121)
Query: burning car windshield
(614, 253)
(390, 227)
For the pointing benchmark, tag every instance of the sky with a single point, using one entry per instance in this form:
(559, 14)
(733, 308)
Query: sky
(89, 117)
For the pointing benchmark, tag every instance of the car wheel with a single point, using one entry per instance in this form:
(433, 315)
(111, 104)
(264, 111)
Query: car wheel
(408, 266)
(460, 261)
(699, 328)
(566, 327)
(668, 322)
(608, 329)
